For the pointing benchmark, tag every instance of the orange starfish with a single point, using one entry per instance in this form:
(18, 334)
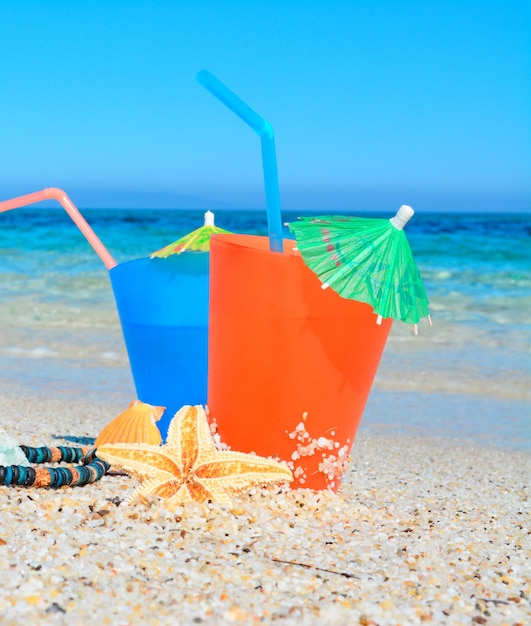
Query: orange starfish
(189, 466)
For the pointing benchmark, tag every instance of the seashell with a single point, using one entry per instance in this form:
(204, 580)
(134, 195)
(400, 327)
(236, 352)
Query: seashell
(135, 425)
(10, 453)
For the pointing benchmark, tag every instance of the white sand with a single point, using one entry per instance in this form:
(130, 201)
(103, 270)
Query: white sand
(424, 530)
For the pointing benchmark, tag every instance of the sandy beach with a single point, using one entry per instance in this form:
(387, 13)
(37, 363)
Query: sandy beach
(430, 524)
(389, 171)
(423, 530)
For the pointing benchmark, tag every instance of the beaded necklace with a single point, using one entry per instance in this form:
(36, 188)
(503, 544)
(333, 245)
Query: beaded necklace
(91, 470)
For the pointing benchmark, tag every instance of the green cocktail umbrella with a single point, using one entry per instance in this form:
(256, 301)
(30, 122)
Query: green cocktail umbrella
(365, 259)
(196, 241)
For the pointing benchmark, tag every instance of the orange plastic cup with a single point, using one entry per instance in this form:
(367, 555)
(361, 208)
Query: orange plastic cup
(290, 365)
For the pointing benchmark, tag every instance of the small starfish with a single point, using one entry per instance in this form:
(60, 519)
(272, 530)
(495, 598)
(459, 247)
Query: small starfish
(189, 466)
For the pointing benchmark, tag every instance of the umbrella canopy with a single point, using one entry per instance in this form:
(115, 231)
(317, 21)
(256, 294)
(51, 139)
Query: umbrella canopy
(196, 241)
(365, 259)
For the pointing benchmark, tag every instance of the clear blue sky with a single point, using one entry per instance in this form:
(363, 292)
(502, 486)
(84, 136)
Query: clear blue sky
(374, 103)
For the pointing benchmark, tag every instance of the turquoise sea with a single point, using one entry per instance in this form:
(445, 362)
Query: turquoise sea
(466, 376)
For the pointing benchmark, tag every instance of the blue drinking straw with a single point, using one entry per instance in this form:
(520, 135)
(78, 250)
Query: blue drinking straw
(269, 156)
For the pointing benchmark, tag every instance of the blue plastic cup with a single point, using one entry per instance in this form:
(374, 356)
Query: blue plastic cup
(163, 309)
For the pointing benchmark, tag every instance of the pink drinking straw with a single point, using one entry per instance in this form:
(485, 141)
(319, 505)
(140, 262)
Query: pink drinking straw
(53, 193)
